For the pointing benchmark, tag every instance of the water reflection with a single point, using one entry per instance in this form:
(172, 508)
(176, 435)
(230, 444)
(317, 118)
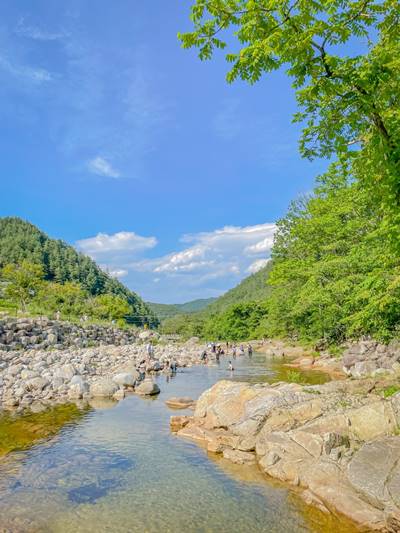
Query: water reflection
(121, 470)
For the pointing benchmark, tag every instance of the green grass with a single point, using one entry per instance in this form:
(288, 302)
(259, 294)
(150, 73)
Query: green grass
(293, 376)
(390, 391)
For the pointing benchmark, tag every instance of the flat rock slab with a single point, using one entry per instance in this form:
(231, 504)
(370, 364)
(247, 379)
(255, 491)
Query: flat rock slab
(180, 403)
(238, 457)
(374, 472)
(179, 422)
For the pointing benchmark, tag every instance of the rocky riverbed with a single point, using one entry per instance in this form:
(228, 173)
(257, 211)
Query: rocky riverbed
(337, 442)
(362, 359)
(37, 378)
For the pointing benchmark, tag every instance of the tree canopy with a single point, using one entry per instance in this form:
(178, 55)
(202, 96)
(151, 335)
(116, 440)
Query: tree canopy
(335, 270)
(349, 103)
(63, 266)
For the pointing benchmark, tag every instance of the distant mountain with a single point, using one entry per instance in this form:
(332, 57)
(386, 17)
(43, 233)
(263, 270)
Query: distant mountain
(21, 240)
(254, 288)
(164, 311)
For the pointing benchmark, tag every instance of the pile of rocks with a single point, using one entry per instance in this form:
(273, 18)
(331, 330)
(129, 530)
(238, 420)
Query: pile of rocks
(40, 377)
(336, 441)
(42, 333)
(370, 358)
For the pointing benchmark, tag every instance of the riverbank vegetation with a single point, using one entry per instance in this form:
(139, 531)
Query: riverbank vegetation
(335, 270)
(39, 275)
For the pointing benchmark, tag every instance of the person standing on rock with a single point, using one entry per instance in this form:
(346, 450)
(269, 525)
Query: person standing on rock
(150, 350)
(142, 369)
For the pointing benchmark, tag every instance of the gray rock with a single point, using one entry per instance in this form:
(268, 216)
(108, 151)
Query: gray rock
(147, 388)
(104, 388)
(363, 369)
(36, 384)
(125, 379)
(375, 472)
(52, 338)
(66, 372)
(77, 390)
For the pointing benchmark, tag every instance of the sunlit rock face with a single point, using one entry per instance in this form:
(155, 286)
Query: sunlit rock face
(337, 441)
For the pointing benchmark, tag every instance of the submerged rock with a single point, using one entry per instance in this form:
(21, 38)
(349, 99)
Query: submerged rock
(180, 403)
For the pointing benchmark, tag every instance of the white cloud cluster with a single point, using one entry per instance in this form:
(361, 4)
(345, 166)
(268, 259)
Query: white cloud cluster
(121, 243)
(211, 263)
(257, 265)
(226, 250)
(100, 166)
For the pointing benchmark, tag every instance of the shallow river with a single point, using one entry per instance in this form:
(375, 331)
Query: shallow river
(117, 468)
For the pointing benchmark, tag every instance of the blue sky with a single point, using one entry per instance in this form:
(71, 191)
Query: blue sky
(116, 140)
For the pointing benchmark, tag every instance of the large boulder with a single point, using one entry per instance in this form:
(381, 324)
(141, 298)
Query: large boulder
(125, 379)
(147, 388)
(77, 389)
(66, 371)
(36, 384)
(243, 408)
(104, 388)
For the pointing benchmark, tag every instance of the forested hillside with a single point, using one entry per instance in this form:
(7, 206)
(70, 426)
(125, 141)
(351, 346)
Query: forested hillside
(237, 314)
(335, 271)
(164, 311)
(254, 288)
(62, 265)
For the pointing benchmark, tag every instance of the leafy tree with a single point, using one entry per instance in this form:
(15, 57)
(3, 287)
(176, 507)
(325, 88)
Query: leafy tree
(109, 307)
(22, 282)
(238, 322)
(20, 240)
(253, 288)
(68, 299)
(349, 103)
(334, 276)
(190, 325)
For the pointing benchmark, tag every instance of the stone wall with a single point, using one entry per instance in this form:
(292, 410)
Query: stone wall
(42, 333)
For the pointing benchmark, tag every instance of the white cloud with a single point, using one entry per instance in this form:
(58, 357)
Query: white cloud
(221, 253)
(36, 33)
(261, 247)
(210, 262)
(121, 243)
(102, 167)
(257, 265)
(118, 273)
(26, 72)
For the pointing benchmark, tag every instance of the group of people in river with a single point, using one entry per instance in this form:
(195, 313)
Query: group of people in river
(146, 364)
(218, 351)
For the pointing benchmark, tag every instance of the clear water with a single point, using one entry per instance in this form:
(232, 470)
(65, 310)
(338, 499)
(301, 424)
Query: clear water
(117, 468)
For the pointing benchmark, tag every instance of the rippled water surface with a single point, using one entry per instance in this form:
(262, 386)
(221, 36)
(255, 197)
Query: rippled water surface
(117, 468)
